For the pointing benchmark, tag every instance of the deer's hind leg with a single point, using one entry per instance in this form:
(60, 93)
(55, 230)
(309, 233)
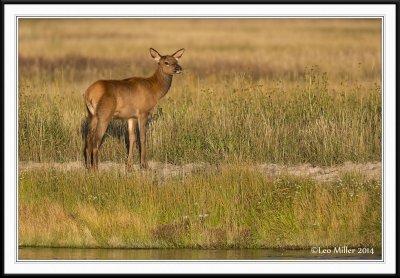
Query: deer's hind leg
(92, 126)
(104, 115)
(100, 131)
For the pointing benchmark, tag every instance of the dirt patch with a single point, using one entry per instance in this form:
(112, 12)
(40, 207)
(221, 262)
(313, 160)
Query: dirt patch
(369, 170)
(164, 170)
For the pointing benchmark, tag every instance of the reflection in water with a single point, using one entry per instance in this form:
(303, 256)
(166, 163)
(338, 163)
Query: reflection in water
(183, 254)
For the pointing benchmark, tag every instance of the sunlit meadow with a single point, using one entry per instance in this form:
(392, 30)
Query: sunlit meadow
(282, 91)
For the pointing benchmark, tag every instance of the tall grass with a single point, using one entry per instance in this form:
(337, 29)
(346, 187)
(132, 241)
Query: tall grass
(230, 120)
(281, 91)
(234, 208)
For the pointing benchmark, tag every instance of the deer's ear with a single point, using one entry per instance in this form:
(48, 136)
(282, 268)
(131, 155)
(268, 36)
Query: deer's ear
(156, 56)
(178, 54)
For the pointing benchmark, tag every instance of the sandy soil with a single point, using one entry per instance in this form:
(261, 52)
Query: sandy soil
(164, 170)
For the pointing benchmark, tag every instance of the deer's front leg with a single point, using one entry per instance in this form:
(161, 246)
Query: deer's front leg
(132, 123)
(142, 131)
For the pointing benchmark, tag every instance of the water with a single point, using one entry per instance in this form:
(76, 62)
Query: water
(183, 254)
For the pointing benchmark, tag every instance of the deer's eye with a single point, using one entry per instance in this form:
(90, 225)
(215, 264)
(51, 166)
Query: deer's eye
(166, 63)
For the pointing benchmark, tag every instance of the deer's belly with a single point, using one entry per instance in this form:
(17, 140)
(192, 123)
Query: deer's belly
(125, 114)
(133, 109)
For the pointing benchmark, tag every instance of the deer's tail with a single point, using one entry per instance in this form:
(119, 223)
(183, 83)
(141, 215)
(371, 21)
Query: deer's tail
(89, 107)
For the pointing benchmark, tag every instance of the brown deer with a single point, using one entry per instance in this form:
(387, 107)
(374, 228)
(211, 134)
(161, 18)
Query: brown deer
(131, 99)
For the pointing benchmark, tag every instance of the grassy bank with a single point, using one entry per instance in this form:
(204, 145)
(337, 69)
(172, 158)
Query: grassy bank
(232, 207)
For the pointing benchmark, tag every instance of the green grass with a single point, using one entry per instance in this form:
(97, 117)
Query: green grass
(236, 207)
(236, 120)
(285, 91)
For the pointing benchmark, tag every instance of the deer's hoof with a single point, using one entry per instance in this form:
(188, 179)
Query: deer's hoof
(92, 170)
(144, 165)
(129, 165)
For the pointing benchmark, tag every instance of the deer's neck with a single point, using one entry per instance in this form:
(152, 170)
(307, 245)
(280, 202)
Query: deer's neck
(161, 82)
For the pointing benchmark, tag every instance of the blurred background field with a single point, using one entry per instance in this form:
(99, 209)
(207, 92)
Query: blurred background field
(254, 90)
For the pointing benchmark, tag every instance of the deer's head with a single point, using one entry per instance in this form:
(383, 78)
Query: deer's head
(168, 63)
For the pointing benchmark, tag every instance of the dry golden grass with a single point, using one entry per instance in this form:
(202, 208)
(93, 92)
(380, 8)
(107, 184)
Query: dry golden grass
(254, 91)
(263, 48)
(273, 90)
(234, 208)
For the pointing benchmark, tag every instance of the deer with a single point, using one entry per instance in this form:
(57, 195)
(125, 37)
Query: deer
(130, 99)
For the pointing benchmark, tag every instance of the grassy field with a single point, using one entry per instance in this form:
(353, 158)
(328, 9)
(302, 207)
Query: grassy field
(284, 91)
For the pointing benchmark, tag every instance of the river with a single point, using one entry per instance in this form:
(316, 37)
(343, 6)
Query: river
(34, 253)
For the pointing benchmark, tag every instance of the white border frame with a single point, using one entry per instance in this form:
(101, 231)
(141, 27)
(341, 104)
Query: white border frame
(386, 11)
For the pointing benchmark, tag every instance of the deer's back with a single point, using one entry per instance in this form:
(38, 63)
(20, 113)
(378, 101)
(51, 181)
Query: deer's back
(128, 97)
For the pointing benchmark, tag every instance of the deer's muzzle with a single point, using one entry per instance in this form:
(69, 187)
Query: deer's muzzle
(178, 69)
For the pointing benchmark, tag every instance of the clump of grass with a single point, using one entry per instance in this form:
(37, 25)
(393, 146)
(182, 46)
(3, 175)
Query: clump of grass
(234, 208)
(42, 132)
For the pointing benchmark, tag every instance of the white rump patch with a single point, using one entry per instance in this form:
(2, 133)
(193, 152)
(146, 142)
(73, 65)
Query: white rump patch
(90, 107)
